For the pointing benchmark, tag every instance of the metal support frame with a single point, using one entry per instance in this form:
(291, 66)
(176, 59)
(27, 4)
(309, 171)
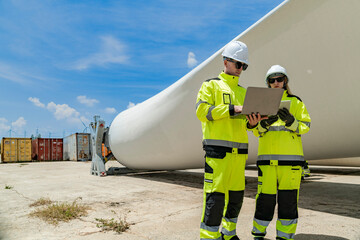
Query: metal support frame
(97, 138)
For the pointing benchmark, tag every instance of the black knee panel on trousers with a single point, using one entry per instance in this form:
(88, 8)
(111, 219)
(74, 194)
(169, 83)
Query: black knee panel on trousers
(235, 202)
(265, 206)
(214, 208)
(287, 200)
(208, 169)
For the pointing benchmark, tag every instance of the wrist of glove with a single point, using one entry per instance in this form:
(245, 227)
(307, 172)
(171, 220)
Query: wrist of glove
(289, 121)
(266, 123)
(286, 117)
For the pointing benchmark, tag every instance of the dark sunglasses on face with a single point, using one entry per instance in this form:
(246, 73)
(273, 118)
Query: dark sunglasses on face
(279, 79)
(238, 65)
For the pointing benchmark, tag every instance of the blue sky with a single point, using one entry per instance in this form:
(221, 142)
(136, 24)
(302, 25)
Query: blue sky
(62, 62)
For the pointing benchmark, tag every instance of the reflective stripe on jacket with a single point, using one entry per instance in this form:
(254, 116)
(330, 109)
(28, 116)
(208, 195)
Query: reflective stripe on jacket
(282, 143)
(215, 109)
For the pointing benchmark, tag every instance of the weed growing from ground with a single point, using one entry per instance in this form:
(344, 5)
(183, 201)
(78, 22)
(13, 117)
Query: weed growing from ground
(112, 224)
(41, 202)
(60, 212)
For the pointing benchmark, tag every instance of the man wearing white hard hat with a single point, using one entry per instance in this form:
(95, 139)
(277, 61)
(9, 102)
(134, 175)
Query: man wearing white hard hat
(218, 105)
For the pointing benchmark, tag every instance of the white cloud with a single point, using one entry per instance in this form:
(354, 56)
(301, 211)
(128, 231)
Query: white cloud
(36, 102)
(22, 75)
(112, 51)
(60, 111)
(12, 73)
(87, 101)
(131, 104)
(3, 125)
(18, 124)
(110, 110)
(63, 111)
(191, 62)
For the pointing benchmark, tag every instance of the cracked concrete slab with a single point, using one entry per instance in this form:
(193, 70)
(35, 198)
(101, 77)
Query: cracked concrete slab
(161, 205)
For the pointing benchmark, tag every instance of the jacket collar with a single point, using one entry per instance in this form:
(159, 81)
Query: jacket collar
(285, 94)
(229, 79)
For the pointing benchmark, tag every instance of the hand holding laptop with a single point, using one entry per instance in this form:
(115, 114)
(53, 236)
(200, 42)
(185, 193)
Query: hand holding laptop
(238, 108)
(254, 119)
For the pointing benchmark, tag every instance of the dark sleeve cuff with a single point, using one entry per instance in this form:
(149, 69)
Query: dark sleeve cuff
(249, 127)
(231, 110)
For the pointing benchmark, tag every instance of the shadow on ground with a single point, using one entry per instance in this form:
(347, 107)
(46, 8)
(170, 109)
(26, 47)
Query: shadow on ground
(317, 237)
(355, 171)
(335, 198)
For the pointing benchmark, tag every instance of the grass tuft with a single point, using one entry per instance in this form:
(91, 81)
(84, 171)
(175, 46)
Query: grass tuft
(112, 225)
(41, 202)
(8, 187)
(60, 212)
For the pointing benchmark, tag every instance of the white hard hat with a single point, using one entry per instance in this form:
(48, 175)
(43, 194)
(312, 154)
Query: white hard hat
(238, 51)
(276, 70)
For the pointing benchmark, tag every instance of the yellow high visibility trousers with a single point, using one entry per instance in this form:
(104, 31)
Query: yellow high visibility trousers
(224, 184)
(279, 184)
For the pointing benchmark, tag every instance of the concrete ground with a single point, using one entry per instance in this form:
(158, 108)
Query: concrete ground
(162, 205)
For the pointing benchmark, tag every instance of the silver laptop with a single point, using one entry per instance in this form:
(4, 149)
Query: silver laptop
(265, 101)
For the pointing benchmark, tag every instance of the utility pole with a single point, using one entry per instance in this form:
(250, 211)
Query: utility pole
(10, 131)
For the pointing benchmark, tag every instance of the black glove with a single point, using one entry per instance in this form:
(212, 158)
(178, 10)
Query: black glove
(286, 116)
(268, 122)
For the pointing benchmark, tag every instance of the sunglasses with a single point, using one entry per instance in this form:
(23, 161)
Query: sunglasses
(279, 79)
(238, 65)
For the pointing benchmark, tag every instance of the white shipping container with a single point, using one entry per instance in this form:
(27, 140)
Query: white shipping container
(76, 147)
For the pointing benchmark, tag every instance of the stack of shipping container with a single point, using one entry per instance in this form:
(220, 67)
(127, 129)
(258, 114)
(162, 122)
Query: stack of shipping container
(75, 147)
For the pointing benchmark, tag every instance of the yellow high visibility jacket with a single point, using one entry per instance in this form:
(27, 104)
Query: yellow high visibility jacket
(215, 110)
(281, 145)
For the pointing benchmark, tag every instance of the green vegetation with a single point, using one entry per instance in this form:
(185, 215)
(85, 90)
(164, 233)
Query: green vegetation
(8, 187)
(57, 212)
(41, 202)
(112, 225)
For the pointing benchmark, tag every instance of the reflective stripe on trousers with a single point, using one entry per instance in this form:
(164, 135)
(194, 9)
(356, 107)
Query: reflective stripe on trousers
(209, 232)
(288, 236)
(229, 226)
(286, 228)
(259, 227)
(281, 157)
